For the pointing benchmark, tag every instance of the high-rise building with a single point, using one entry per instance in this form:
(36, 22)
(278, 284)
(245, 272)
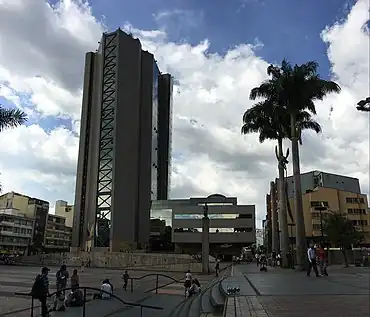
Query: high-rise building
(124, 145)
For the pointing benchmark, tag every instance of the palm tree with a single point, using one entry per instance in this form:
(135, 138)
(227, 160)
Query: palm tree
(11, 118)
(364, 105)
(267, 119)
(295, 89)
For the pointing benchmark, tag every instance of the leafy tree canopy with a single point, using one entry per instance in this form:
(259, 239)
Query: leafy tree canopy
(341, 231)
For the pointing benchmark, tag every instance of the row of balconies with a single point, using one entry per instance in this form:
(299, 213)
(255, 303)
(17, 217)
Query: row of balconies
(13, 224)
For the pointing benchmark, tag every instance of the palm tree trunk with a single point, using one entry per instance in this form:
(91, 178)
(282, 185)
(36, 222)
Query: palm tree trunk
(298, 203)
(283, 221)
(274, 218)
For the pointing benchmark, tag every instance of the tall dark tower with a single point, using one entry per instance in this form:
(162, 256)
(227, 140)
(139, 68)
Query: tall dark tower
(118, 172)
(164, 135)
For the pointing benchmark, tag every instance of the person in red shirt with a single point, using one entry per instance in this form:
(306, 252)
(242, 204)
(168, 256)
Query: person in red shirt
(322, 261)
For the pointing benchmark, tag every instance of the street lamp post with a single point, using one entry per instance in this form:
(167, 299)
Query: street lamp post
(205, 242)
(320, 209)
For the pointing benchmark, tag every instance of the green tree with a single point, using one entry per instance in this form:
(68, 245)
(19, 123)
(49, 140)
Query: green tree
(272, 122)
(11, 118)
(341, 232)
(296, 89)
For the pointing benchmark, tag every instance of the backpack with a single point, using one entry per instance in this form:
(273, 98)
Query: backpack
(38, 287)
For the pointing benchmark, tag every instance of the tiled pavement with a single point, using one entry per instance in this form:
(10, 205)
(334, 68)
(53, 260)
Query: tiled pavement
(283, 293)
(20, 279)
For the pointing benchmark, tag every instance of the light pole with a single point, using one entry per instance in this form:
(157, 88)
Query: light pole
(320, 209)
(205, 242)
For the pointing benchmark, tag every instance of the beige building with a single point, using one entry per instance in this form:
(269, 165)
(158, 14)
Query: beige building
(58, 236)
(352, 205)
(32, 208)
(16, 231)
(64, 210)
(335, 193)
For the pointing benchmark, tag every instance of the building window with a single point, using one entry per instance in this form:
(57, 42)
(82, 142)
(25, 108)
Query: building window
(316, 227)
(355, 200)
(319, 203)
(356, 211)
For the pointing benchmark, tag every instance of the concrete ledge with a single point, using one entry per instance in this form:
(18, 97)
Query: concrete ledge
(118, 260)
(238, 306)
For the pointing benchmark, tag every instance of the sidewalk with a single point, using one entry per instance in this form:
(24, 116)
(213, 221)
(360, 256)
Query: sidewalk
(282, 293)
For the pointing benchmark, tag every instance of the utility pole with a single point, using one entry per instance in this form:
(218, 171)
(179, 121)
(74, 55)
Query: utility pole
(205, 243)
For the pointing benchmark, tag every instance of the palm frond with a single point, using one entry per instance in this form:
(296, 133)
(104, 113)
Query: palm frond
(11, 118)
(311, 125)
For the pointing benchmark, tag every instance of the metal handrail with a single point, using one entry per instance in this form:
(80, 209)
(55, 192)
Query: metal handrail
(84, 299)
(157, 275)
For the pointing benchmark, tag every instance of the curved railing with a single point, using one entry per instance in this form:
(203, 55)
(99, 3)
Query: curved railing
(157, 275)
(203, 291)
(85, 288)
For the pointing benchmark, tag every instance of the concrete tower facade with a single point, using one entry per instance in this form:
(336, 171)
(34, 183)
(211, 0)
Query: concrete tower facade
(117, 171)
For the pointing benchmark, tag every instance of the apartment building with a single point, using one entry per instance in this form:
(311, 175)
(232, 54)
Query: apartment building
(58, 236)
(34, 208)
(16, 231)
(63, 209)
(354, 206)
(337, 193)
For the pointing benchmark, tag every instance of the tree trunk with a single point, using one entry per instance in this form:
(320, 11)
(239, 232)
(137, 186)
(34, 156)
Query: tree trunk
(283, 220)
(274, 219)
(298, 203)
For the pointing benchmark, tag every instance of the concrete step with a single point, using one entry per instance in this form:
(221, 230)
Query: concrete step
(206, 306)
(196, 306)
(217, 297)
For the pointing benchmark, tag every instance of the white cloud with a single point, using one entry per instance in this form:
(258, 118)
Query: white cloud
(211, 94)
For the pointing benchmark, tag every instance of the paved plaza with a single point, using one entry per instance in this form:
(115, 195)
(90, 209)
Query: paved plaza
(20, 279)
(283, 293)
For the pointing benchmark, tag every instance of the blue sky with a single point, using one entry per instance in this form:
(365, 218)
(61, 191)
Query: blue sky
(287, 28)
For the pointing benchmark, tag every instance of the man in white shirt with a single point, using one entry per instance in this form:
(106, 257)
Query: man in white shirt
(311, 255)
(107, 289)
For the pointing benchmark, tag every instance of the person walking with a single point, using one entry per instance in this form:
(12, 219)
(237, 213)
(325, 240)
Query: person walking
(311, 255)
(75, 281)
(62, 279)
(257, 256)
(125, 280)
(322, 261)
(40, 290)
(273, 256)
(217, 267)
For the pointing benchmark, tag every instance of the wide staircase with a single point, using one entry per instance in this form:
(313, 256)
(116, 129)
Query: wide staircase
(209, 303)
